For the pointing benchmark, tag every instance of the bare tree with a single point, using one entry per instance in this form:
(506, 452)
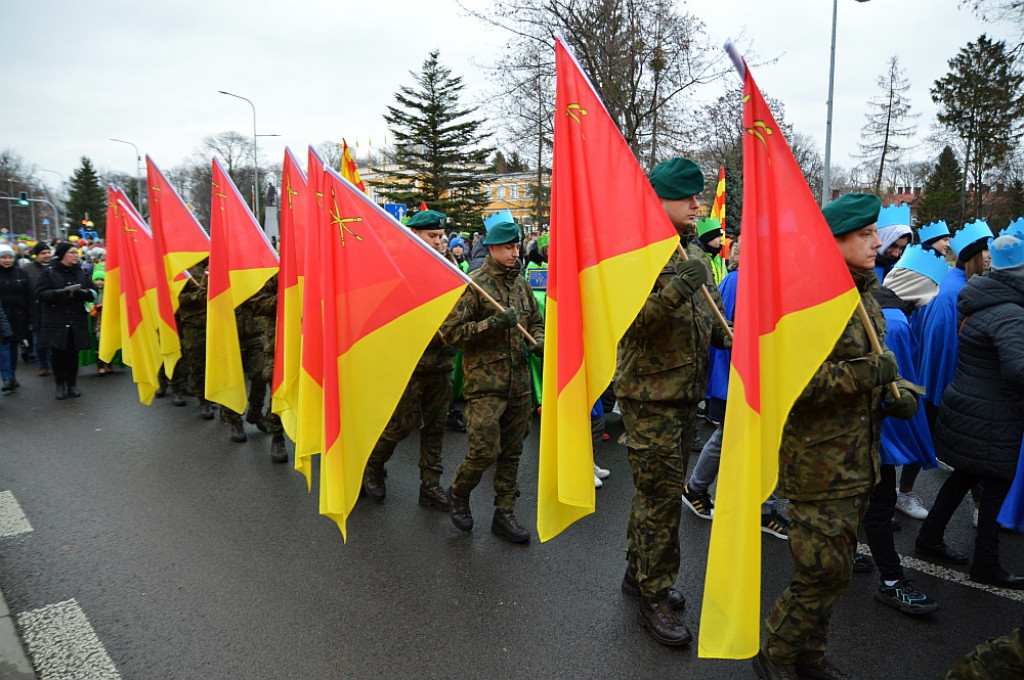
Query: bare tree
(888, 122)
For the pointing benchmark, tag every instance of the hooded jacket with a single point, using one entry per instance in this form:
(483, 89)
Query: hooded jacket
(981, 419)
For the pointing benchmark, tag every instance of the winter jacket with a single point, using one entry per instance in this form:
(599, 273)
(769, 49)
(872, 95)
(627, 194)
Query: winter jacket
(64, 323)
(981, 418)
(16, 299)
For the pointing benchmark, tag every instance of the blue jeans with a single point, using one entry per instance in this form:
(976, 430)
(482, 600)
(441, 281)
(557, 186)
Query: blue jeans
(706, 469)
(8, 359)
(42, 353)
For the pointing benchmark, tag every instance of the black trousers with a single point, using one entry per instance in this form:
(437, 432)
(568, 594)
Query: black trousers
(64, 364)
(986, 545)
(878, 525)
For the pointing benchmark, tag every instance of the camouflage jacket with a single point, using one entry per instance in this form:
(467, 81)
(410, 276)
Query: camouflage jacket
(256, 316)
(494, 361)
(192, 299)
(438, 357)
(830, 440)
(664, 354)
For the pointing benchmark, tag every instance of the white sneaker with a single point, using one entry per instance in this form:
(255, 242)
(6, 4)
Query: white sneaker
(597, 482)
(909, 505)
(600, 472)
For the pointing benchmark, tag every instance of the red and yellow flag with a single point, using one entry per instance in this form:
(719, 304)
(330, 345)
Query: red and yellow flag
(718, 206)
(130, 296)
(241, 261)
(385, 294)
(598, 278)
(179, 243)
(309, 426)
(348, 167)
(788, 318)
(288, 349)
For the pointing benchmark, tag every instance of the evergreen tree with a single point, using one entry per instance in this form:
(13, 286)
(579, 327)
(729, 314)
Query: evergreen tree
(942, 193)
(733, 194)
(980, 101)
(438, 153)
(87, 198)
(888, 122)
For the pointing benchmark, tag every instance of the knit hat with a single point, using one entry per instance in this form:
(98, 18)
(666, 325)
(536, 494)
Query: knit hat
(676, 179)
(62, 248)
(708, 229)
(40, 247)
(427, 219)
(6, 250)
(456, 241)
(500, 234)
(851, 212)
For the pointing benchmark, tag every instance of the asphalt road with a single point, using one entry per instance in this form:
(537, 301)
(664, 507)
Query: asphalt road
(159, 549)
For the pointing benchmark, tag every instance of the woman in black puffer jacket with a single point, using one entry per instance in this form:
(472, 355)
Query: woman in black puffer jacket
(62, 291)
(981, 418)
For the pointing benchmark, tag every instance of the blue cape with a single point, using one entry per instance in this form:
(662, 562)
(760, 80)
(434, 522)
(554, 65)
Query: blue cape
(905, 441)
(718, 359)
(936, 330)
(1012, 514)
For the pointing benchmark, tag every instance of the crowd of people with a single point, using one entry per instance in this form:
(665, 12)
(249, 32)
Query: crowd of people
(945, 388)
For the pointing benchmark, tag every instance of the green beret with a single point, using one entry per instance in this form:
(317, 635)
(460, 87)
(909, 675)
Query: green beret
(677, 178)
(851, 212)
(427, 219)
(500, 234)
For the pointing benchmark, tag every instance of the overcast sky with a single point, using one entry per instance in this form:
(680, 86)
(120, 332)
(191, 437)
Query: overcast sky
(79, 73)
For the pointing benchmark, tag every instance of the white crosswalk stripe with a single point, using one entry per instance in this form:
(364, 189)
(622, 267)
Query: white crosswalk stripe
(12, 519)
(63, 644)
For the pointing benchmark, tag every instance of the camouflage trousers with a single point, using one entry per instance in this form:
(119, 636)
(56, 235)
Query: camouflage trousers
(822, 539)
(495, 429)
(193, 358)
(258, 366)
(424, 403)
(657, 438)
(998, 659)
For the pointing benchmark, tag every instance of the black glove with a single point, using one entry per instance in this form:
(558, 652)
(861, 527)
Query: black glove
(537, 349)
(690, 274)
(82, 293)
(70, 290)
(503, 320)
(904, 408)
(875, 369)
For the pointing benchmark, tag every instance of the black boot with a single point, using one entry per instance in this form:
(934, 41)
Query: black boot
(506, 526)
(8, 385)
(656, 616)
(765, 669)
(278, 453)
(455, 421)
(373, 482)
(73, 391)
(205, 410)
(631, 586)
(255, 416)
(433, 495)
(238, 431)
(458, 510)
(177, 398)
(62, 391)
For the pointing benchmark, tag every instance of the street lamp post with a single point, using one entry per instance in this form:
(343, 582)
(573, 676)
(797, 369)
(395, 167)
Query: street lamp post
(138, 159)
(826, 180)
(255, 157)
(57, 225)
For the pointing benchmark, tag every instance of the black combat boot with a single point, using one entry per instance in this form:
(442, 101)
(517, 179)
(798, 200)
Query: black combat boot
(433, 495)
(631, 586)
(455, 422)
(205, 410)
(278, 454)
(506, 526)
(767, 670)
(820, 670)
(177, 398)
(656, 616)
(238, 431)
(458, 510)
(373, 482)
(8, 385)
(255, 416)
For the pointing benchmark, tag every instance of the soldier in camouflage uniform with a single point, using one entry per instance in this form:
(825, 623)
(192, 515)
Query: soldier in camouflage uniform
(497, 383)
(828, 461)
(999, 659)
(192, 331)
(424, 403)
(265, 307)
(660, 378)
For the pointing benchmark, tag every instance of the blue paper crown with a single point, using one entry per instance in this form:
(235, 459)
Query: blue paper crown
(1005, 253)
(933, 231)
(498, 218)
(1015, 229)
(924, 262)
(975, 231)
(894, 214)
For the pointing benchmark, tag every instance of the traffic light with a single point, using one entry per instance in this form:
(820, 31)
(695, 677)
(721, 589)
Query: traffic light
(22, 198)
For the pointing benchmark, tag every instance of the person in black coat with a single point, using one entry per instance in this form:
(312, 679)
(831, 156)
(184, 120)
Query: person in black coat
(16, 301)
(980, 424)
(62, 290)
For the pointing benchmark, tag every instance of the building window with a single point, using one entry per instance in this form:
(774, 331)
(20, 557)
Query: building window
(501, 191)
(514, 192)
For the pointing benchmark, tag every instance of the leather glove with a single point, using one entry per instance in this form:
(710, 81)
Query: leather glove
(82, 293)
(503, 320)
(904, 408)
(875, 369)
(690, 274)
